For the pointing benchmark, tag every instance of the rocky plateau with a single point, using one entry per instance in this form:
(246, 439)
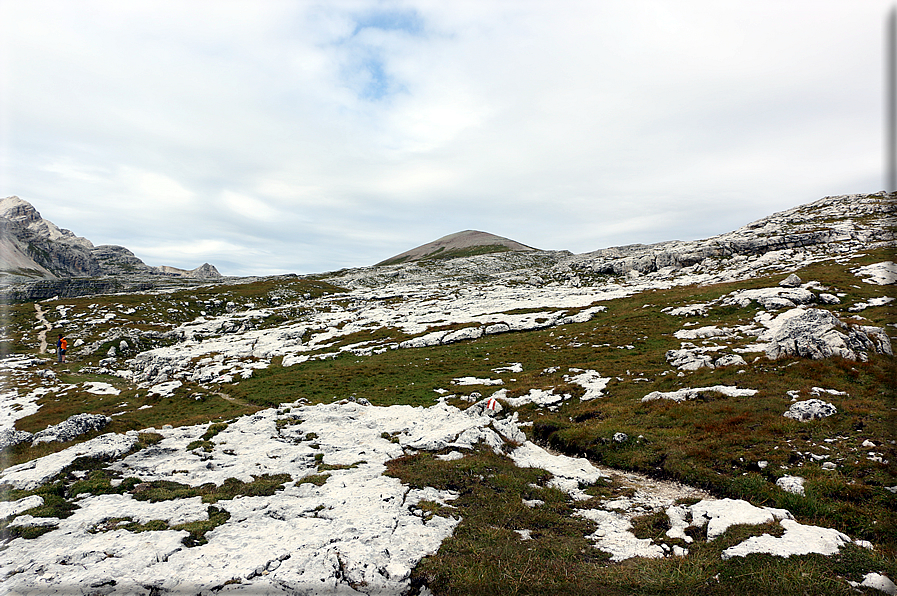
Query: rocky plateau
(331, 520)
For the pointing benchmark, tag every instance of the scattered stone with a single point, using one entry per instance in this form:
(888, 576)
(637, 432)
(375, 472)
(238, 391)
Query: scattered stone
(514, 367)
(703, 332)
(692, 310)
(791, 484)
(689, 359)
(569, 472)
(880, 301)
(489, 406)
(28, 521)
(729, 360)
(614, 536)
(811, 409)
(620, 437)
(820, 391)
(792, 281)
(32, 474)
(476, 381)
(678, 551)
(877, 581)
(540, 397)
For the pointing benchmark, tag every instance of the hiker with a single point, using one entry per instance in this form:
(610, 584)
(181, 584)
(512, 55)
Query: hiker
(61, 346)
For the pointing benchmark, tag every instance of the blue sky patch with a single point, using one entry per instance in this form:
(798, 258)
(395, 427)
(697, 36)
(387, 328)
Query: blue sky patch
(408, 21)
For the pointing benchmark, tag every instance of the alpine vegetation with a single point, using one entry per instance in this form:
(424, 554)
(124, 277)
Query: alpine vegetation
(472, 416)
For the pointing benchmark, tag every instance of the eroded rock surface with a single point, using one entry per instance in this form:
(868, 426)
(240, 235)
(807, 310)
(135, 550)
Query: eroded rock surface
(72, 427)
(815, 333)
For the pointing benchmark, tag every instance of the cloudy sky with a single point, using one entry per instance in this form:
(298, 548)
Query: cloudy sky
(299, 136)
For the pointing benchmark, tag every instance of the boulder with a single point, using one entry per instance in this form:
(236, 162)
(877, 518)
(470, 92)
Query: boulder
(791, 484)
(686, 359)
(811, 409)
(11, 436)
(729, 360)
(792, 281)
(817, 334)
(71, 428)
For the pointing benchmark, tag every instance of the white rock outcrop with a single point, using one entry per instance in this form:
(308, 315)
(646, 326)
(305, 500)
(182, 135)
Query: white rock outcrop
(71, 428)
(798, 539)
(883, 273)
(817, 334)
(686, 394)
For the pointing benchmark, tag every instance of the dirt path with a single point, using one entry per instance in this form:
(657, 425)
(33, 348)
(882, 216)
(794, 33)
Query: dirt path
(42, 336)
(234, 400)
(650, 494)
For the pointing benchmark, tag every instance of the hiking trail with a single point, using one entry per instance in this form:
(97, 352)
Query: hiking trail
(42, 336)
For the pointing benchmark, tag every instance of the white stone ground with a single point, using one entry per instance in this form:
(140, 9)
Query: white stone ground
(360, 528)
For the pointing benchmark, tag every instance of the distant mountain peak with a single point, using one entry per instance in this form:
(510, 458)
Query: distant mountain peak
(460, 244)
(32, 247)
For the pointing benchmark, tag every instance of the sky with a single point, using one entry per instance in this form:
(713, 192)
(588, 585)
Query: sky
(270, 137)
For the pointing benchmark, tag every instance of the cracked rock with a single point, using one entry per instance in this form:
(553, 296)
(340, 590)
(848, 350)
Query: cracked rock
(71, 428)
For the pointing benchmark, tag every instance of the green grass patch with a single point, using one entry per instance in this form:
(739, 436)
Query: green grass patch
(166, 490)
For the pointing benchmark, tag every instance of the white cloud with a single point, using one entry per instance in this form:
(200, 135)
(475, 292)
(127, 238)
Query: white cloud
(246, 206)
(317, 135)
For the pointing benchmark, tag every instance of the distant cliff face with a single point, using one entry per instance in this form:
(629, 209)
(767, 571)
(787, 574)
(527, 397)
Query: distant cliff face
(39, 248)
(32, 247)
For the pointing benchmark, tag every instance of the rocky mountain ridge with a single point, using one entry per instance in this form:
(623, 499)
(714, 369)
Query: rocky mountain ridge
(857, 221)
(32, 247)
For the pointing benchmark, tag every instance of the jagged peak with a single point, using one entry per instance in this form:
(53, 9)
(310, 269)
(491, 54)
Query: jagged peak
(17, 209)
